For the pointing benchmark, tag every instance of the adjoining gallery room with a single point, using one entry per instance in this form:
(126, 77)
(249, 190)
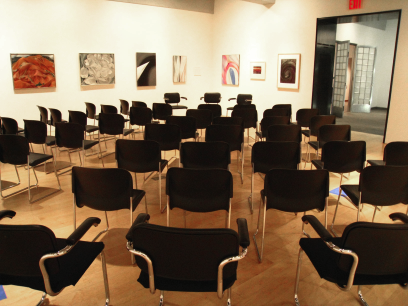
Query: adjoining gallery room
(207, 152)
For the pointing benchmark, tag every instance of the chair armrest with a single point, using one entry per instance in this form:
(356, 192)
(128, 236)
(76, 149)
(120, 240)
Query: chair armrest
(399, 216)
(248, 100)
(7, 214)
(141, 218)
(232, 99)
(166, 99)
(201, 98)
(82, 229)
(243, 234)
(318, 227)
(183, 98)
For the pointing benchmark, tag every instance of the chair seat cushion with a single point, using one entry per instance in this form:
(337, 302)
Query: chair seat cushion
(314, 144)
(325, 262)
(37, 158)
(90, 143)
(179, 107)
(352, 192)
(306, 133)
(318, 164)
(72, 266)
(91, 128)
(230, 108)
(127, 131)
(137, 196)
(163, 163)
(259, 134)
(376, 162)
(50, 140)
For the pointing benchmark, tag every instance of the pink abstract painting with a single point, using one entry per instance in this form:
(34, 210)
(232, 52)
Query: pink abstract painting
(230, 69)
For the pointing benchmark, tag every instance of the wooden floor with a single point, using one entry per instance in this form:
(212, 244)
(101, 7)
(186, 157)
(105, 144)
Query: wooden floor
(269, 283)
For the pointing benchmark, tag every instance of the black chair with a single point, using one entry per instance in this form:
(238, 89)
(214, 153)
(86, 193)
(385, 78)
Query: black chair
(214, 108)
(276, 112)
(124, 107)
(395, 154)
(91, 111)
(44, 116)
(203, 117)
(266, 122)
(316, 122)
(211, 97)
(140, 156)
(379, 186)
(71, 137)
(231, 134)
(188, 126)
(9, 126)
(138, 104)
(285, 106)
(81, 118)
(199, 190)
(161, 111)
(293, 191)
(174, 98)
(241, 99)
(328, 132)
(366, 254)
(109, 189)
(15, 150)
(284, 132)
(31, 256)
(230, 121)
(140, 116)
(56, 117)
(249, 117)
(267, 155)
(202, 260)
(205, 155)
(167, 135)
(304, 115)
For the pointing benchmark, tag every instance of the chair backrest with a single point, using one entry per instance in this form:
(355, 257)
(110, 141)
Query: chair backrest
(384, 185)
(111, 124)
(284, 132)
(140, 115)
(267, 155)
(381, 250)
(396, 153)
(286, 106)
(124, 107)
(229, 121)
(212, 97)
(56, 116)
(139, 156)
(78, 117)
(231, 134)
(104, 189)
(203, 117)
(167, 135)
(249, 116)
(161, 111)
(16, 261)
(276, 112)
(35, 131)
(331, 132)
(296, 190)
(14, 149)
(9, 126)
(69, 135)
(43, 114)
(244, 99)
(266, 122)
(244, 106)
(199, 190)
(304, 115)
(317, 121)
(198, 155)
(196, 253)
(139, 104)
(108, 109)
(90, 110)
(187, 125)
(172, 97)
(214, 108)
(344, 156)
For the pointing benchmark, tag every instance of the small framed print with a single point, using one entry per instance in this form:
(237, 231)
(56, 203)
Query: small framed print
(288, 71)
(257, 70)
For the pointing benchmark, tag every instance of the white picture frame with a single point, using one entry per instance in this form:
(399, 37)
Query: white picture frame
(257, 70)
(288, 71)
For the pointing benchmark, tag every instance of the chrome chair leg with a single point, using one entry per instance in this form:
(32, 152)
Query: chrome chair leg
(105, 279)
(250, 198)
(229, 296)
(42, 299)
(303, 228)
(260, 254)
(298, 277)
(360, 295)
(105, 230)
(161, 298)
(146, 203)
(335, 213)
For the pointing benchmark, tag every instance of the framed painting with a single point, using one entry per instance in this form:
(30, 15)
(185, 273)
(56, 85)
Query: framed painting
(257, 70)
(179, 69)
(146, 69)
(288, 71)
(230, 69)
(97, 68)
(33, 70)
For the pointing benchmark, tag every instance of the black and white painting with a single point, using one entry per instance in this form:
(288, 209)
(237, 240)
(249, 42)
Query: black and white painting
(146, 69)
(97, 68)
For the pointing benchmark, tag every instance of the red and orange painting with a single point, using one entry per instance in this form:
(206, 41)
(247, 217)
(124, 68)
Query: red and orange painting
(33, 70)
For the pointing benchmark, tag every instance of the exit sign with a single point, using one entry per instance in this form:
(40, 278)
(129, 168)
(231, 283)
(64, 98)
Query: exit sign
(354, 4)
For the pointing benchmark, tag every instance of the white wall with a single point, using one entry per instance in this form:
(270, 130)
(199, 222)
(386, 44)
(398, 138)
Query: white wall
(66, 28)
(289, 26)
(384, 41)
